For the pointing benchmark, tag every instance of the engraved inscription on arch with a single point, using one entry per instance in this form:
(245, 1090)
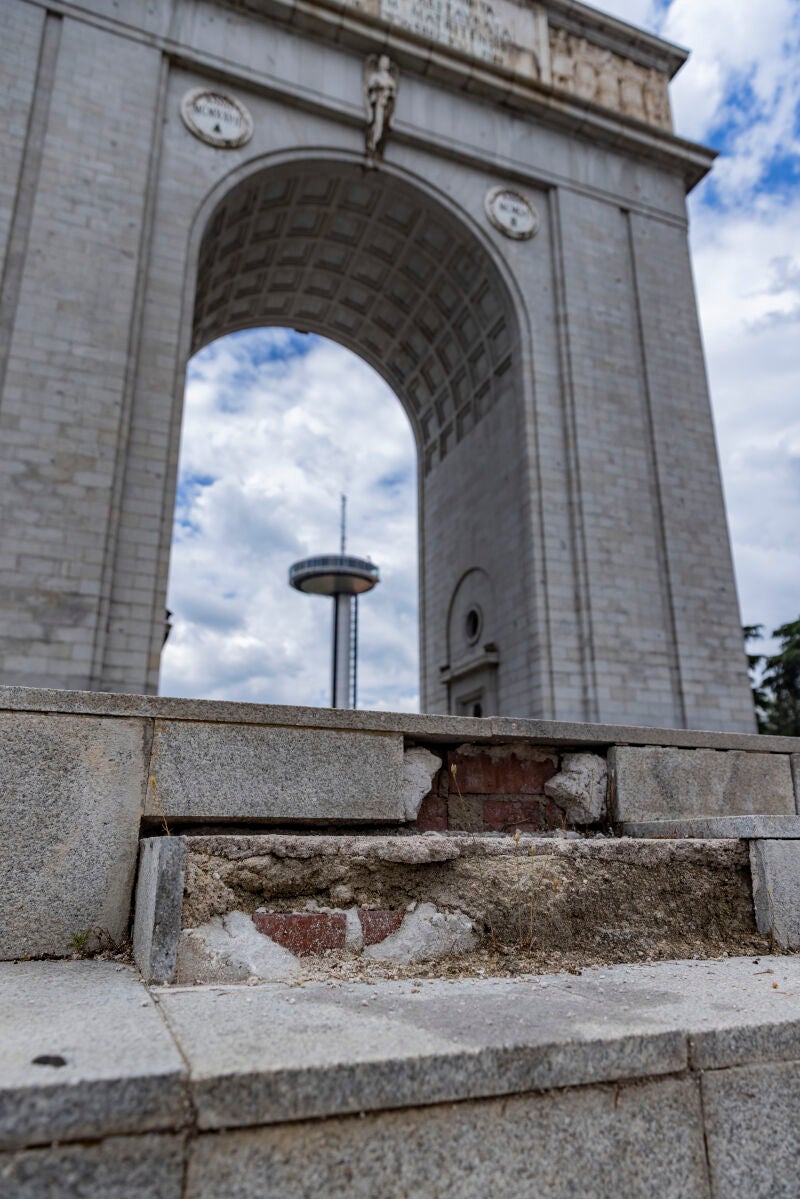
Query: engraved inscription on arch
(498, 32)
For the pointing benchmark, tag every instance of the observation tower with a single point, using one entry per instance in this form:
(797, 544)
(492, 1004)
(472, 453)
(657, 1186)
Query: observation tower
(343, 578)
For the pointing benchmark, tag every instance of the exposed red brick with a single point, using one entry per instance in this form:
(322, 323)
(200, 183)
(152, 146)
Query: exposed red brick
(376, 925)
(496, 774)
(527, 815)
(432, 815)
(303, 932)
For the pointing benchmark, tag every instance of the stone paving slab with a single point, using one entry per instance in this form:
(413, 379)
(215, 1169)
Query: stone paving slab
(159, 899)
(121, 1069)
(260, 1055)
(747, 828)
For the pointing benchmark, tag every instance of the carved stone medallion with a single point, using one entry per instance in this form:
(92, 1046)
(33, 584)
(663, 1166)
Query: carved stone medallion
(512, 213)
(216, 118)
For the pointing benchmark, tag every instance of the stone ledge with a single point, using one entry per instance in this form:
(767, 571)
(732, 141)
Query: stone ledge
(273, 1053)
(745, 828)
(425, 728)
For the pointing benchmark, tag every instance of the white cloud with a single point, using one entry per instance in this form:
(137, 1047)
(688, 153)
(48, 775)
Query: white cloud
(268, 445)
(748, 272)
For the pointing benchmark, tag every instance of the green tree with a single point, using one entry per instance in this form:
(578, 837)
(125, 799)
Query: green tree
(776, 680)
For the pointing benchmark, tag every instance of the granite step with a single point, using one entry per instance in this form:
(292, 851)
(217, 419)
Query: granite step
(672, 1079)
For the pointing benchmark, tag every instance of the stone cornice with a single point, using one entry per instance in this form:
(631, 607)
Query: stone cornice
(328, 21)
(616, 35)
(337, 21)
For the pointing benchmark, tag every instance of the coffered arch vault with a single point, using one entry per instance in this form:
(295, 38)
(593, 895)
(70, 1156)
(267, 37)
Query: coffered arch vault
(369, 260)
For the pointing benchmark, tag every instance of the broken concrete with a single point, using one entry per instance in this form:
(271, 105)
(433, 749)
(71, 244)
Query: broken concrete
(581, 788)
(420, 768)
(425, 935)
(538, 903)
(231, 949)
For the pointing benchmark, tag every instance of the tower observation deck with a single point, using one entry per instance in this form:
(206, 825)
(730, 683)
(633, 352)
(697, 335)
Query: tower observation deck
(343, 577)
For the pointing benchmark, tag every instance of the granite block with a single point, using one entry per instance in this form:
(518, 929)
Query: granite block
(664, 784)
(145, 1167)
(70, 804)
(775, 867)
(752, 1130)
(203, 771)
(159, 901)
(597, 1142)
(85, 1054)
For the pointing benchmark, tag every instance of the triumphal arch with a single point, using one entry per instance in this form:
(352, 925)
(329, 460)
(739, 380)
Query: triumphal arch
(485, 199)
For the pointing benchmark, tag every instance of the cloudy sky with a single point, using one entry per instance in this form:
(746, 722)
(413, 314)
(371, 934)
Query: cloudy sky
(277, 425)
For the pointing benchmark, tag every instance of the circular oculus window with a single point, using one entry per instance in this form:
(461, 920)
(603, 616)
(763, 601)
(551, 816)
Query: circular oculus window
(512, 213)
(473, 623)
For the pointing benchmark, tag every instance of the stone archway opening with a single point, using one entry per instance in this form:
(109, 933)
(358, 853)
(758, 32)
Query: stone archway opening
(376, 264)
(276, 425)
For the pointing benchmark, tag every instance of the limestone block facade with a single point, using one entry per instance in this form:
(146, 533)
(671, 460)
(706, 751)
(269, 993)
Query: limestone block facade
(574, 554)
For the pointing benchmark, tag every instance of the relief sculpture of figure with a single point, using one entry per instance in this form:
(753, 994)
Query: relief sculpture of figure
(380, 94)
(607, 92)
(585, 79)
(632, 90)
(562, 64)
(656, 100)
